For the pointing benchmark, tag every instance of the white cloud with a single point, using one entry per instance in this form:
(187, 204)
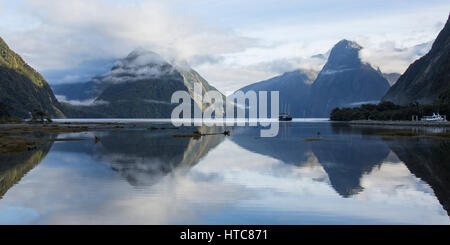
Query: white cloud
(230, 76)
(231, 44)
(391, 56)
(69, 32)
(228, 178)
(377, 33)
(88, 102)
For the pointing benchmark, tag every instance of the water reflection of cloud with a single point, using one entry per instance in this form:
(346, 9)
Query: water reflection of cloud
(393, 182)
(294, 190)
(16, 215)
(229, 185)
(393, 185)
(75, 192)
(259, 171)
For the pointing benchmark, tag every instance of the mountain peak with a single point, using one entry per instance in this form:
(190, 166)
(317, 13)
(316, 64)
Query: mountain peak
(140, 64)
(347, 44)
(345, 80)
(141, 56)
(344, 55)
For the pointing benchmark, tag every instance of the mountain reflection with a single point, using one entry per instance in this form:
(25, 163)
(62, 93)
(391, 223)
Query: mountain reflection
(344, 155)
(144, 175)
(347, 153)
(143, 156)
(15, 166)
(428, 159)
(348, 156)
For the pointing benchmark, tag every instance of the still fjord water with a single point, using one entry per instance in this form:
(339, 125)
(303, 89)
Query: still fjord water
(313, 172)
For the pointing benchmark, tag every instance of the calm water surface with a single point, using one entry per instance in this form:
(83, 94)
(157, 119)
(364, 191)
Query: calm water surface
(313, 172)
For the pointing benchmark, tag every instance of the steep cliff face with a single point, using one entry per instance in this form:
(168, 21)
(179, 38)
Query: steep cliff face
(345, 80)
(22, 88)
(428, 77)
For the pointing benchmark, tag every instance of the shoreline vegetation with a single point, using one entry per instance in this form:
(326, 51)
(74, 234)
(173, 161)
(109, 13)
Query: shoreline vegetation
(389, 112)
(396, 118)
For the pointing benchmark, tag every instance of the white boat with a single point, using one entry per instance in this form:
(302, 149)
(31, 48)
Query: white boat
(435, 117)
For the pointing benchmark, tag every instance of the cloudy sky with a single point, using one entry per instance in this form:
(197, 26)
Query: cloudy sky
(231, 43)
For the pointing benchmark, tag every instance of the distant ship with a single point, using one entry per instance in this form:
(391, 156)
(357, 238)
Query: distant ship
(284, 117)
